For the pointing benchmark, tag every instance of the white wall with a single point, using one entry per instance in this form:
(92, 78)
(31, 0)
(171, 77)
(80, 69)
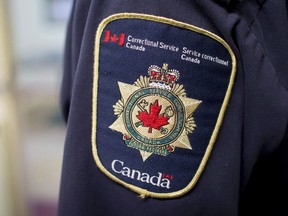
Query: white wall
(33, 34)
(7, 124)
(29, 165)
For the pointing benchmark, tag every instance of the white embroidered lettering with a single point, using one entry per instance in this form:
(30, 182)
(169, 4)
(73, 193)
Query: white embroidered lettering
(159, 180)
(145, 177)
(126, 172)
(168, 47)
(135, 47)
(155, 180)
(113, 165)
(165, 183)
(190, 59)
(138, 174)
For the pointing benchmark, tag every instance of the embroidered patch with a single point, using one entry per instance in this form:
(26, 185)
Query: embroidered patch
(160, 92)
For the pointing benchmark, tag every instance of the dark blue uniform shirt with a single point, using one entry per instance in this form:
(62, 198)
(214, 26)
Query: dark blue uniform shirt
(136, 145)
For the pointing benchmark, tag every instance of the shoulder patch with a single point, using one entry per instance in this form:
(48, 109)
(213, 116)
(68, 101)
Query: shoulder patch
(160, 91)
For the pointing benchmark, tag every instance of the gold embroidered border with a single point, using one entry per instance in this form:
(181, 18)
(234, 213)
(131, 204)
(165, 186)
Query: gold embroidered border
(145, 193)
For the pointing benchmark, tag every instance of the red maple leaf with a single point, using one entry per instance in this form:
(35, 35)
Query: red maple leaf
(153, 120)
(114, 38)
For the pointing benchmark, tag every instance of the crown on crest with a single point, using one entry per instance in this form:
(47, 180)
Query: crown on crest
(162, 77)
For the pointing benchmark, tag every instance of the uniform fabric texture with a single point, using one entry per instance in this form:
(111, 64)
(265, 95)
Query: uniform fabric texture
(249, 161)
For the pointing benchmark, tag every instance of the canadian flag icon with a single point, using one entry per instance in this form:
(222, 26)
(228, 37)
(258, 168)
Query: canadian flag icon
(114, 38)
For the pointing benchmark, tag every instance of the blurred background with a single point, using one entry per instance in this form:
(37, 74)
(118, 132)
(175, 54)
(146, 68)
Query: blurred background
(32, 132)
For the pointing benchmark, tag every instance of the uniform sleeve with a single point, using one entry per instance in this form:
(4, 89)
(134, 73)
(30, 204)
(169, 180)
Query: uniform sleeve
(74, 36)
(65, 93)
(267, 189)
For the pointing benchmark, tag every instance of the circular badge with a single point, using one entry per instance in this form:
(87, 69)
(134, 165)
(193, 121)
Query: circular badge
(154, 116)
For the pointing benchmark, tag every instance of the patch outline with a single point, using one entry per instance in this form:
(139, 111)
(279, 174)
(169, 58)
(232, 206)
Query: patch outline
(144, 193)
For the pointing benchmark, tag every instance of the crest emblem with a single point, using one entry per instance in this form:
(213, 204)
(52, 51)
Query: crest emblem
(154, 114)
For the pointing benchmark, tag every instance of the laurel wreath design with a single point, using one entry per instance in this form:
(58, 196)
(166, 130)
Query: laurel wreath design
(177, 89)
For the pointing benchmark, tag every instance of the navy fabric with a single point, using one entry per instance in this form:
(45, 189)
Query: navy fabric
(249, 159)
